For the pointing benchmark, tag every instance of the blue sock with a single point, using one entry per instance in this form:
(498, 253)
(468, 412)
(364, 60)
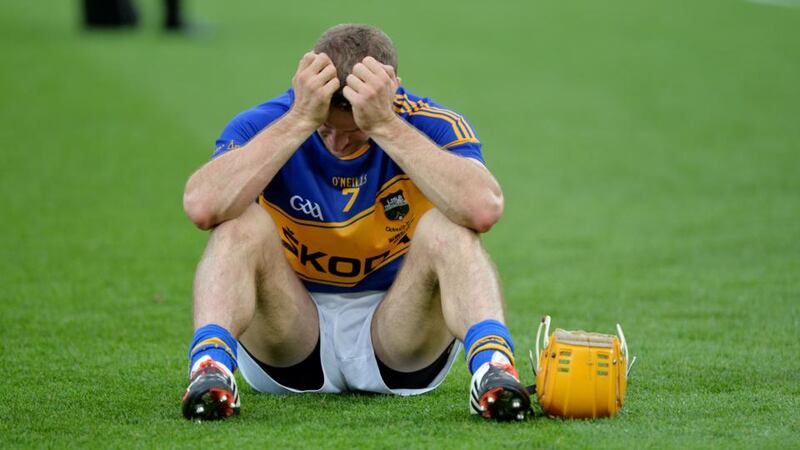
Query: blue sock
(483, 340)
(216, 342)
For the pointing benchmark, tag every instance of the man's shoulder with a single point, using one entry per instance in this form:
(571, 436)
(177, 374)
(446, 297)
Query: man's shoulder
(248, 123)
(446, 126)
(264, 113)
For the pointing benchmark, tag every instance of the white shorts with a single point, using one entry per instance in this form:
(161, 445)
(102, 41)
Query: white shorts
(348, 358)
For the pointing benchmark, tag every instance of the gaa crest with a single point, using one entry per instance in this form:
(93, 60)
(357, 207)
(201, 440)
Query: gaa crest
(395, 206)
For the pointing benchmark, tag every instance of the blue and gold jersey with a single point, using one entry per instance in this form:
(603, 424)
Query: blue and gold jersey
(346, 223)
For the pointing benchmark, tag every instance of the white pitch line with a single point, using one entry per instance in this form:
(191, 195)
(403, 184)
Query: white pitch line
(784, 3)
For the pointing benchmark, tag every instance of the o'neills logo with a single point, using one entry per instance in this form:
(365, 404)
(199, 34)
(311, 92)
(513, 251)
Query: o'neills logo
(395, 206)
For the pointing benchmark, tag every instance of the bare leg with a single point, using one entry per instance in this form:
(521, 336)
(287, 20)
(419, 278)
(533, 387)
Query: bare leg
(245, 284)
(447, 284)
(172, 15)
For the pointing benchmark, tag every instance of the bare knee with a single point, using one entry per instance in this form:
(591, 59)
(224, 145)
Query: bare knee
(440, 237)
(245, 235)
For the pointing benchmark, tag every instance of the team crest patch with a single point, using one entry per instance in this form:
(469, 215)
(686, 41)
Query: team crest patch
(395, 206)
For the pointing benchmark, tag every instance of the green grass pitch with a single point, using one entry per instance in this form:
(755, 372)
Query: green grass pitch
(649, 154)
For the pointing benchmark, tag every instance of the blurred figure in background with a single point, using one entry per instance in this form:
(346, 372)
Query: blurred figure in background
(172, 15)
(123, 13)
(109, 14)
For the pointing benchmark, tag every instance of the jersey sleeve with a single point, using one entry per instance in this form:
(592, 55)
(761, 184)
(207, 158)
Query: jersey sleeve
(233, 136)
(448, 129)
(246, 125)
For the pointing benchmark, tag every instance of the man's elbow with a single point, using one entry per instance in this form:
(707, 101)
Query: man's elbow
(198, 211)
(487, 214)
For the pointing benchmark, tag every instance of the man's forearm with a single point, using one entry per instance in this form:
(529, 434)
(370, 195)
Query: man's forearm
(225, 186)
(459, 187)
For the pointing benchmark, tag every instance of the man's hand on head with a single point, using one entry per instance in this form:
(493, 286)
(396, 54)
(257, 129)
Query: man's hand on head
(314, 84)
(370, 90)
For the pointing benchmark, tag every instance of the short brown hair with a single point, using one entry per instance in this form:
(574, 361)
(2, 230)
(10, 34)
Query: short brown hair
(347, 44)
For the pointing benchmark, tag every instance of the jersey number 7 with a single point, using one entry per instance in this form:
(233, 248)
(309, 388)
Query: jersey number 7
(354, 193)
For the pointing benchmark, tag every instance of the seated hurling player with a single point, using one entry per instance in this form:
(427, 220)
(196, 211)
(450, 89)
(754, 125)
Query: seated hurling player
(359, 265)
